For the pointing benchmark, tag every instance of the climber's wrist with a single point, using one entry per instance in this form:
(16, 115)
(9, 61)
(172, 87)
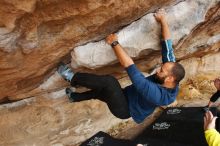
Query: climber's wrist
(114, 43)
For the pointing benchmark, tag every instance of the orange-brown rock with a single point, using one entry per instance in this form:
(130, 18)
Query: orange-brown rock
(36, 35)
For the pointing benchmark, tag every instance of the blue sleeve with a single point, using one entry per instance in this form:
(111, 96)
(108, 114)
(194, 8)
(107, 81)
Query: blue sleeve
(167, 51)
(148, 89)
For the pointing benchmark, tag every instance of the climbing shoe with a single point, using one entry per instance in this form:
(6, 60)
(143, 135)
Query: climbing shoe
(65, 72)
(69, 94)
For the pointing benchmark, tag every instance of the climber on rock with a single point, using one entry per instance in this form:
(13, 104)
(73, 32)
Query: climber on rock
(146, 93)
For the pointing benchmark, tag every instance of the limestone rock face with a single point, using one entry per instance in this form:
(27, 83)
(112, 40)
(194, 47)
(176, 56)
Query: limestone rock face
(35, 35)
(143, 36)
(48, 120)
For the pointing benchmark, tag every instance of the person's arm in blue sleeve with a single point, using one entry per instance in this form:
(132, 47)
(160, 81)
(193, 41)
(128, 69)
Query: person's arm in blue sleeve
(148, 89)
(167, 49)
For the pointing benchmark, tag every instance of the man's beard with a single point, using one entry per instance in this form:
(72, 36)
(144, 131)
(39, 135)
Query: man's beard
(158, 79)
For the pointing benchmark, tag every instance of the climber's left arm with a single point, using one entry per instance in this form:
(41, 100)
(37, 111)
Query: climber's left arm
(167, 49)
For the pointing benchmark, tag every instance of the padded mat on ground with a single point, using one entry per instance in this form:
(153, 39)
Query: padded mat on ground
(103, 139)
(177, 125)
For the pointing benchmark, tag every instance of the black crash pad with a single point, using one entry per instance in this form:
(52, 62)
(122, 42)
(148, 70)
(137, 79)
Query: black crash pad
(175, 127)
(180, 126)
(103, 139)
